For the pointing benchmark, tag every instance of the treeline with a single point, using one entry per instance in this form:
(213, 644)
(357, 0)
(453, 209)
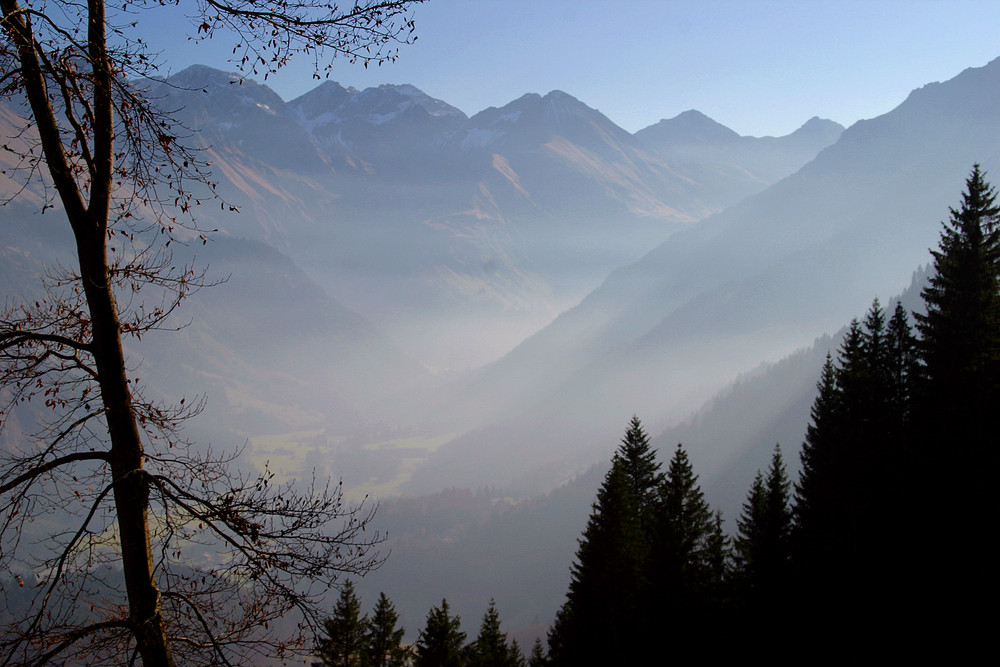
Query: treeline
(885, 540)
(355, 640)
(886, 534)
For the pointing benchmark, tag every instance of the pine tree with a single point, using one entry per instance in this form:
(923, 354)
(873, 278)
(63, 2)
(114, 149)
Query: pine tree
(538, 657)
(637, 458)
(814, 483)
(490, 648)
(600, 604)
(602, 615)
(516, 655)
(383, 640)
(762, 545)
(850, 482)
(902, 366)
(903, 373)
(718, 563)
(440, 642)
(847, 454)
(345, 632)
(957, 397)
(960, 333)
(687, 556)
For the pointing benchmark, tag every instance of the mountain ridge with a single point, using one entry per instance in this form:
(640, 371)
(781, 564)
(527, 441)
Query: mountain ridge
(748, 284)
(483, 206)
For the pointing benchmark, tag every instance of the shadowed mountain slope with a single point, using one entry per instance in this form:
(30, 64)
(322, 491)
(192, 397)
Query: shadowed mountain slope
(752, 283)
(425, 220)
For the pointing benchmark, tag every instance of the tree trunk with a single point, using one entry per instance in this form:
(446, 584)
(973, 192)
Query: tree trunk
(131, 488)
(89, 220)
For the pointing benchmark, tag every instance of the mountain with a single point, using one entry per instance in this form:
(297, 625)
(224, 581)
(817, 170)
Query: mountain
(395, 130)
(350, 254)
(752, 283)
(688, 129)
(466, 546)
(425, 220)
(732, 164)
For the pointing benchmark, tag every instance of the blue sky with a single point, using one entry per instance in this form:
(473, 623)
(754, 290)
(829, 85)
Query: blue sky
(758, 67)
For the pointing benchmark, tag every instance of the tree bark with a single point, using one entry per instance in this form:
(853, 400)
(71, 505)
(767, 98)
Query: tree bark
(131, 487)
(89, 221)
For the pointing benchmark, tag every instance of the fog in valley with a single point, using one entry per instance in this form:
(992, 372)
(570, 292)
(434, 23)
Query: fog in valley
(457, 316)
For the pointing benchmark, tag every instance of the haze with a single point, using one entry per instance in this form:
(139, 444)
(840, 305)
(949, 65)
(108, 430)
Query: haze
(454, 291)
(760, 68)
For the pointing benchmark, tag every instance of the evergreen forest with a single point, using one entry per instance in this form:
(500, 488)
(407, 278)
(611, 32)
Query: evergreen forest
(880, 545)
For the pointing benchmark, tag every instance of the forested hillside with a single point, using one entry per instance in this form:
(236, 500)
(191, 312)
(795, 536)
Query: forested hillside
(839, 544)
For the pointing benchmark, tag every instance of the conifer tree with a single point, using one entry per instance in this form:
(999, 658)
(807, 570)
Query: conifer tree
(537, 657)
(601, 617)
(844, 456)
(902, 366)
(850, 482)
(718, 565)
(604, 581)
(638, 459)
(960, 332)
(345, 638)
(440, 642)
(516, 656)
(958, 395)
(687, 555)
(383, 640)
(762, 544)
(490, 648)
(817, 460)
(903, 373)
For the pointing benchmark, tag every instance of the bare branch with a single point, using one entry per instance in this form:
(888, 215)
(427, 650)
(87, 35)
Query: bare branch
(212, 643)
(76, 635)
(16, 338)
(49, 465)
(128, 184)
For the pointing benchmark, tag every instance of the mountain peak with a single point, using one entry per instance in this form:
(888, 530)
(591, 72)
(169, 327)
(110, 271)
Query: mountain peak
(692, 116)
(403, 89)
(206, 74)
(204, 77)
(822, 128)
(559, 96)
(330, 105)
(689, 128)
(533, 119)
(817, 122)
(231, 90)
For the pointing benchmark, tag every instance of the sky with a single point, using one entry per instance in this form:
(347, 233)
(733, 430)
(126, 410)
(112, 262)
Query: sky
(758, 67)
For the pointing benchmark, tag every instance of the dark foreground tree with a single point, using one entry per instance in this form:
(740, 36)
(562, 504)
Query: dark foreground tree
(384, 640)
(344, 640)
(113, 580)
(956, 402)
(440, 642)
(537, 657)
(960, 334)
(601, 618)
(490, 647)
(763, 542)
(689, 556)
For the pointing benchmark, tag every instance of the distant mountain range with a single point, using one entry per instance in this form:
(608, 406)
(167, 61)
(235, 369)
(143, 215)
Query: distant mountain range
(384, 235)
(424, 219)
(412, 236)
(768, 275)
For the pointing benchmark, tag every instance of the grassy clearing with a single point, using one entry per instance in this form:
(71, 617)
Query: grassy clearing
(430, 443)
(385, 465)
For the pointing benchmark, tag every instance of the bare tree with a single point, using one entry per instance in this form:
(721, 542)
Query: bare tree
(157, 550)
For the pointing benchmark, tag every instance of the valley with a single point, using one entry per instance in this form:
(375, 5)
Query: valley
(464, 312)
